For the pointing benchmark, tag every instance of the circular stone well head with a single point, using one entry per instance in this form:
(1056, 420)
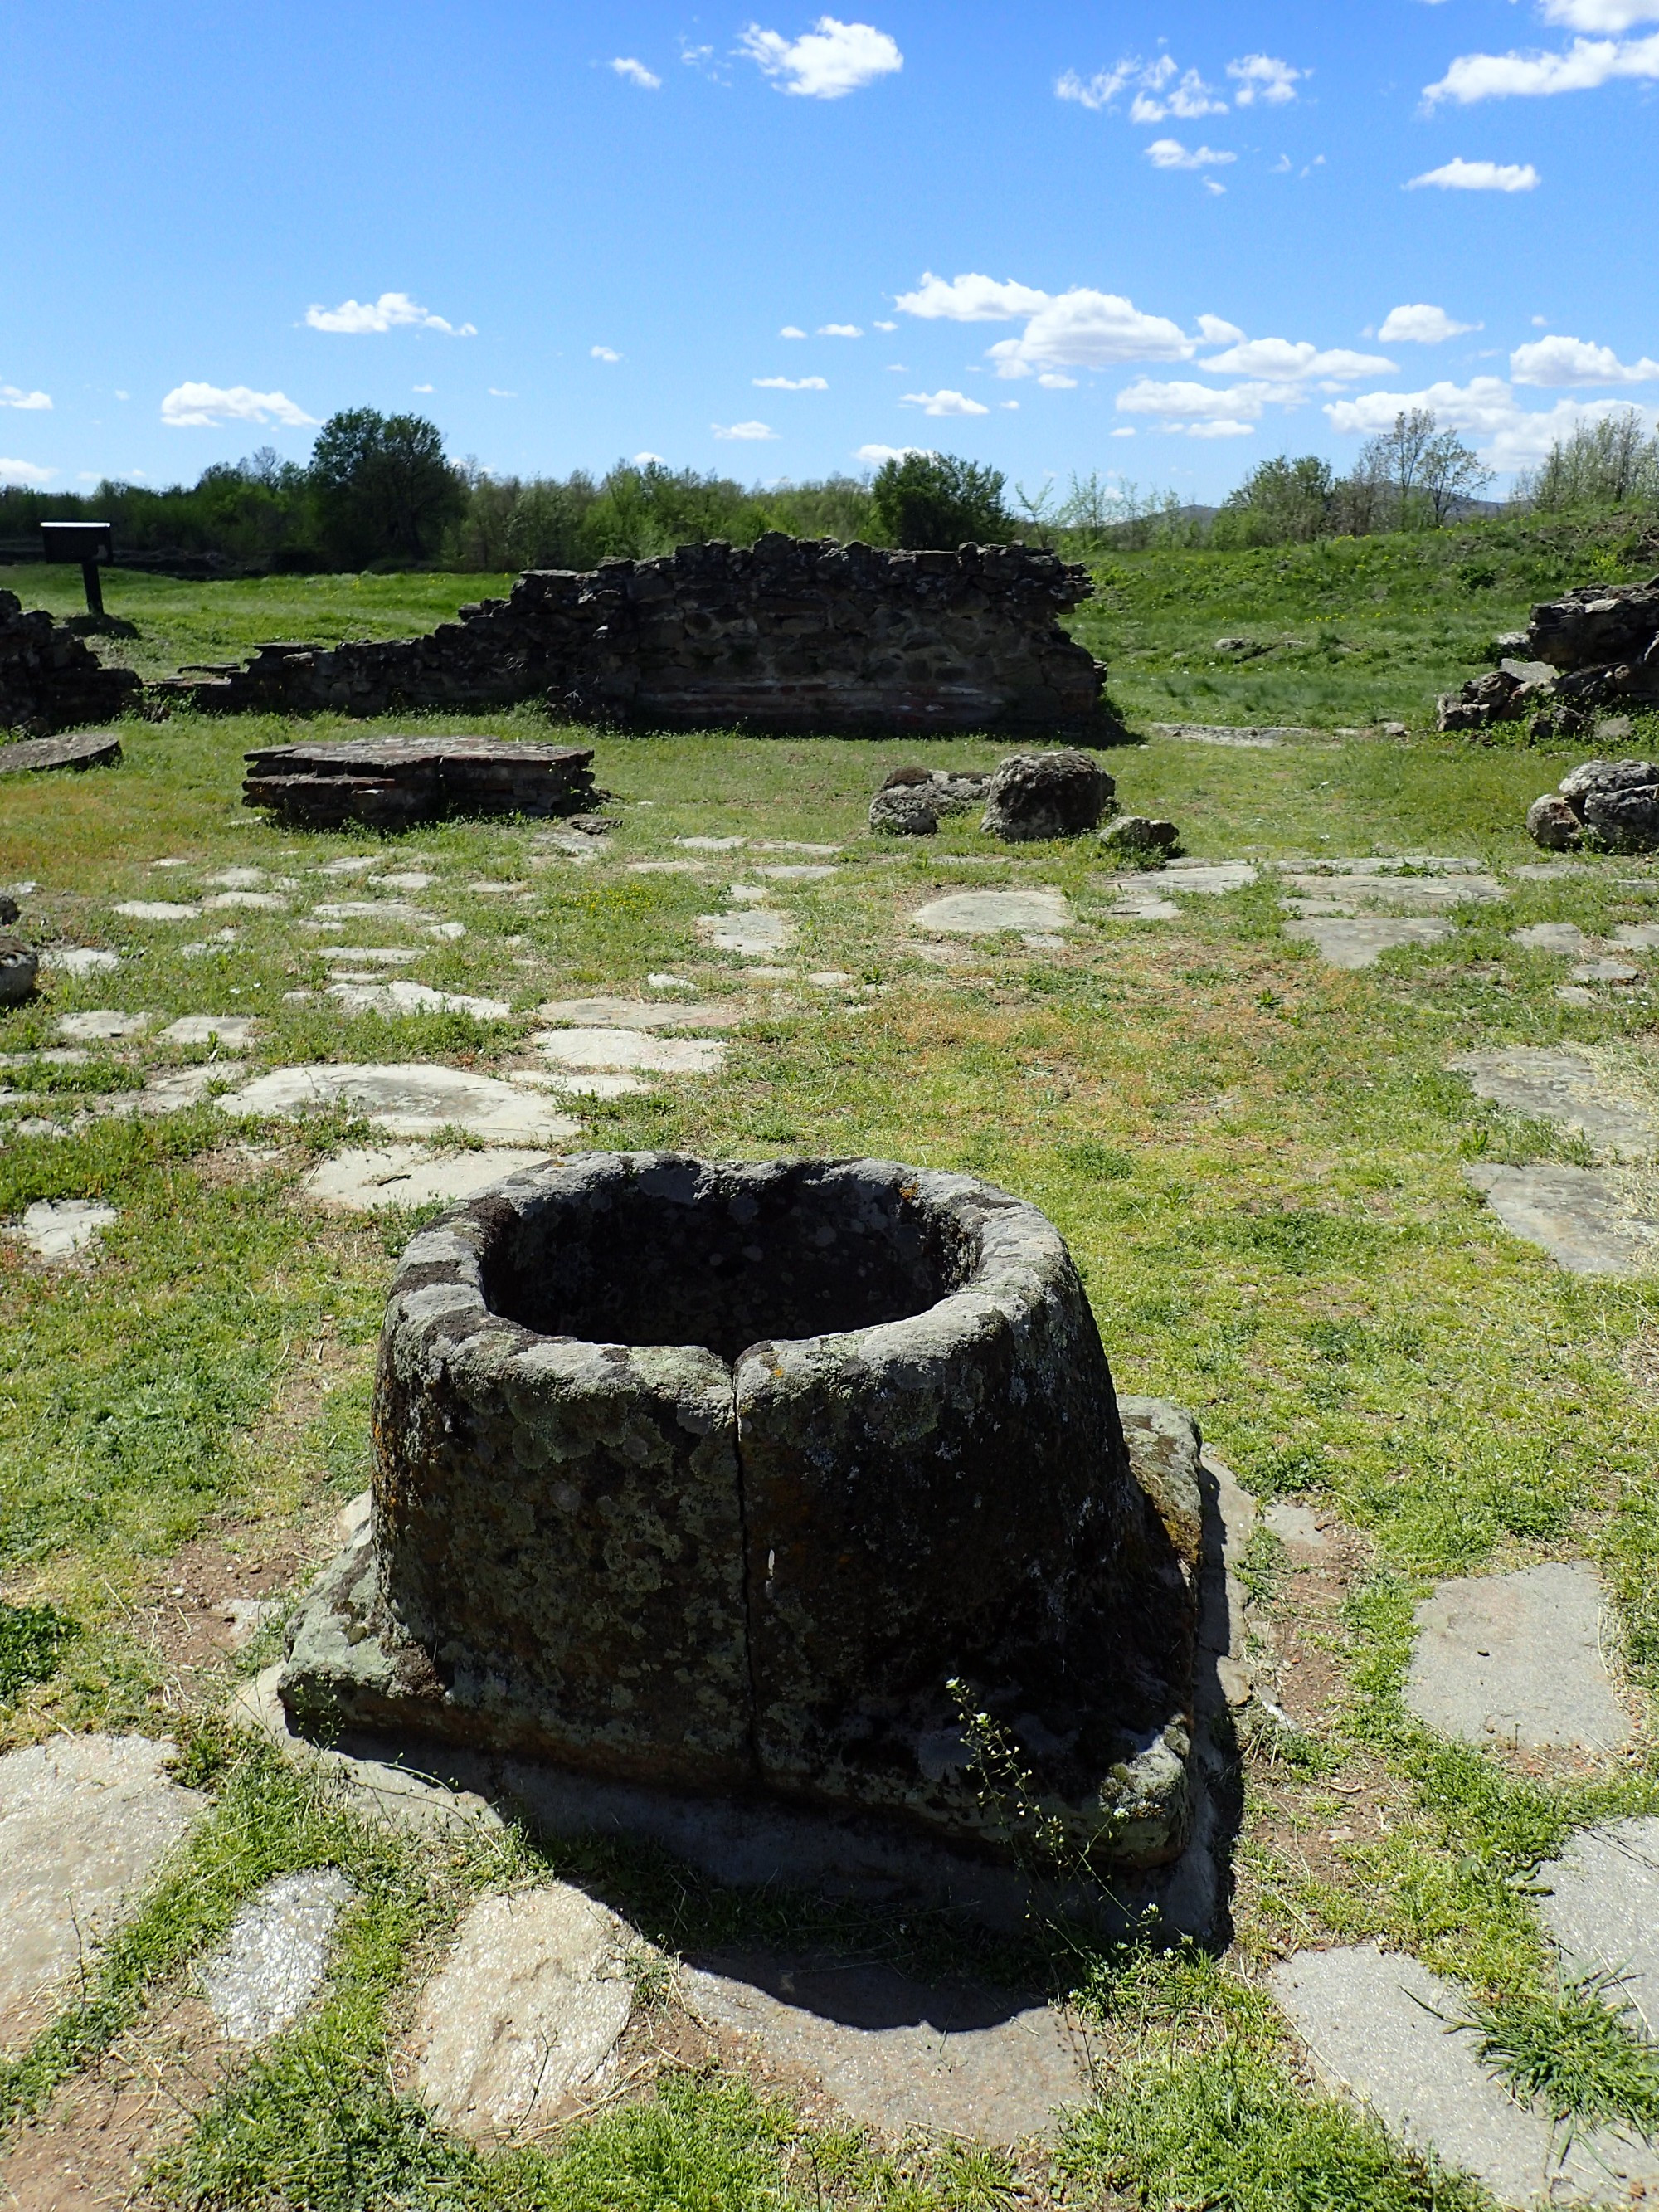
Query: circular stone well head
(717, 1476)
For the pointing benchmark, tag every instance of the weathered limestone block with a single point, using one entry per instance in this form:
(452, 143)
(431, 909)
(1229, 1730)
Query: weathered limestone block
(1036, 795)
(716, 1477)
(388, 783)
(1616, 801)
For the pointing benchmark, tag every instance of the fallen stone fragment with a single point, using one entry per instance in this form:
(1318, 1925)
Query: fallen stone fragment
(1380, 2026)
(1553, 823)
(525, 2013)
(631, 1048)
(1140, 833)
(1515, 1661)
(19, 966)
(232, 1030)
(1361, 942)
(897, 2054)
(974, 914)
(1556, 1083)
(905, 810)
(101, 1026)
(85, 1821)
(362, 1181)
(270, 1965)
(647, 1014)
(1579, 1216)
(415, 1099)
(57, 1230)
(1033, 796)
(1602, 1908)
(157, 910)
(400, 996)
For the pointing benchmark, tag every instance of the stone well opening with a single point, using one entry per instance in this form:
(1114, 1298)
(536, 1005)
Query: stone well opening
(715, 1477)
(669, 1261)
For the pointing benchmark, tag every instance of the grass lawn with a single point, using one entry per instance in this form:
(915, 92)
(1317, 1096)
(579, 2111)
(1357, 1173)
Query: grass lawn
(1257, 1161)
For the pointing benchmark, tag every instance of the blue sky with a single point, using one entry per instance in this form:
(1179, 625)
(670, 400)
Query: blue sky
(1163, 241)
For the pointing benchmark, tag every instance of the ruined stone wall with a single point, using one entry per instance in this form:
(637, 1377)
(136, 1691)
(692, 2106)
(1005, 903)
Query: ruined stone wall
(787, 635)
(1596, 646)
(48, 680)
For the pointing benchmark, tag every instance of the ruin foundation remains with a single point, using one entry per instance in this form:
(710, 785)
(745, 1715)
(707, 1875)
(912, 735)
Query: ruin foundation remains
(1598, 646)
(719, 1478)
(48, 680)
(787, 635)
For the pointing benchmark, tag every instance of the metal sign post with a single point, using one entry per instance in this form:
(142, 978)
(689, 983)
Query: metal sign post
(83, 542)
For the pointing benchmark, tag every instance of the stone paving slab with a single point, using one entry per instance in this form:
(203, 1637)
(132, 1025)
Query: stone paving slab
(366, 1178)
(401, 997)
(631, 1048)
(524, 2013)
(1383, 864)
(1219, 733)
(1515, 1661)
(1577, 1215)
(1144, 906)
(1555, 1084)
(101, 1025)
(392, 909)
(647, 1014)
(755, 932)
(232, 1030)
(412, 1099)
(1602, 1908)
(1399, 893)
(1380, 2026)
(272, 1965)
(1564, 936)
(1361, 943)
(156, 910)
(371, 955)
(973, 913)
(80, 959)
(1636, 937)
(85, 1821)
(62, 1229)
(897, 2054)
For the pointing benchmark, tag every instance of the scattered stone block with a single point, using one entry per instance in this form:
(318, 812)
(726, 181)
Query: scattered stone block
(1553, 1082)
(101, 1026)
(231, 1029)
(525, 2013)
(1380, 2026)
(85, 1821)
(57, 1230)
(756, 932)
(977, 913)
(1360, 942)
(900, 2055)
(645, 1014)
(1582, 1217)
(364, 1180)
(272, 1965)
(19, 966)
(1515, 1661)
(391, 783)
(631, 1048)
(1034, 796)
(401, 997)
(416, 1099)
(1140, 833)
(1602, 1908)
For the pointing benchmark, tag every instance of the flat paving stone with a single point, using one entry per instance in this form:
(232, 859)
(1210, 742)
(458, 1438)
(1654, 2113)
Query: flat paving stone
(392, 909)
(898, 2055)
(525, 2013)
(232, 1030)
(255, 901)
(1209, 878)
(1579, 1216)
(225, 879)
(410, 1099)
(273, 1963)
(101, 1025)
(712, 844)
(1636, 937)
(646, 1013)
(1361, 942)
(796, 845)
(667, 868)
(799, 872)
(366, 1178)
(756, 931)
(586, 1083)
(371, 955)
(57, 1230)
(1553, 1082)
(1602, 1908)
(1400, 893)
(620, 1047)
(405, 880)
(1386, 864)
(1297, 1527)
(1221, 733)
(1565, 936)
(1144, 906)
(1516, 1660)
(1605, 970)
(974, 914)
(80, 959)
(157, 910)
(1380, 2026)
(85, 1821)
(400, 996)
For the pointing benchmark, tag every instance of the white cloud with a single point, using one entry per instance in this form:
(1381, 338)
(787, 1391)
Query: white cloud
(1561, 359)
(1280, 362)
(1012, 404)
(124, 395)
(1171, 153)
(790, 383)
(840, 331)
(828, 61)
(1218, 332)
(1084, 329)
(633, 72)
(1600, 15)
(33, 402)
(1259, 76)
(886, 326)
(1052, 380)
(603, 353)
(1461, 176)
(790, 331)
(1161, 89)
(644, 460)
(944, 402)
(1224, 428)
(1188, 98)
(1486, 408)
(424, 387)
(392, 311)
(198, 406)
(969, 299)
(873, 456)
(1586, 64)
(1211, 185)
(1126, 432)
(744, 431)
(1422, 325)
(496, 394)
(1180, 403)
(24, 472)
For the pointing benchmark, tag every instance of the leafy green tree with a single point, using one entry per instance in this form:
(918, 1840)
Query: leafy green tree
(382, 487)
(1601, 469)
(936, 500)
(1280, 502)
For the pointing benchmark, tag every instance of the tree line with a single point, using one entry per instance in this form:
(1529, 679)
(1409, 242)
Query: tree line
(380, 491)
